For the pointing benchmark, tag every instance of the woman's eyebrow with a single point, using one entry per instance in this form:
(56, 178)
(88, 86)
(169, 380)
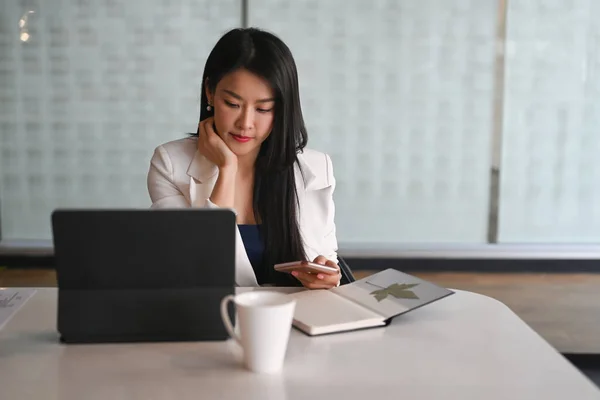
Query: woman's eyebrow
(237, 96)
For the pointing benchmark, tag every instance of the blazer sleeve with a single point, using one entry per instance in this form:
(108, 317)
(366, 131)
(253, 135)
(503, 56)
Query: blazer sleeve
(330, 245)
(161, 184)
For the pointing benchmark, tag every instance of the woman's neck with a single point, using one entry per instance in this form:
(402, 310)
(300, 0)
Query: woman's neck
(246, 165)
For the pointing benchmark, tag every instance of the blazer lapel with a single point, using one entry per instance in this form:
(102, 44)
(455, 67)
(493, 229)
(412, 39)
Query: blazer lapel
(203, 175)
(311, 180)
(305, 180)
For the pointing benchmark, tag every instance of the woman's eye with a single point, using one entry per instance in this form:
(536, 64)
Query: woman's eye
(262, 110)
(230, 104)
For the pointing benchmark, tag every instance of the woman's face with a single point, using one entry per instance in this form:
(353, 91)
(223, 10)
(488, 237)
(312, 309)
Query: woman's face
(243, 111)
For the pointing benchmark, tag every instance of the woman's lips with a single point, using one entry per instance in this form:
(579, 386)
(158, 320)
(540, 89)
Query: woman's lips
(241, 139)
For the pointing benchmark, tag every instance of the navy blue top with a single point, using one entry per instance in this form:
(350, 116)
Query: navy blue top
(254, 248)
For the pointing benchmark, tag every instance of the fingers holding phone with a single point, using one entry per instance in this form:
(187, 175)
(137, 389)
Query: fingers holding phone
(319, 274)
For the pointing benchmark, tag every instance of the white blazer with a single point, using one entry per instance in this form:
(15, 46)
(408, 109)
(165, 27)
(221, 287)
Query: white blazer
(180, 176)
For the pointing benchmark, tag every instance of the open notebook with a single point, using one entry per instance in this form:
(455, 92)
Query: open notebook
(367, 303)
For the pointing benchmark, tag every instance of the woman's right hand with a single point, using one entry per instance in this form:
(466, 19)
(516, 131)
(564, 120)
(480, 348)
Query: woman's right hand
(211, 146)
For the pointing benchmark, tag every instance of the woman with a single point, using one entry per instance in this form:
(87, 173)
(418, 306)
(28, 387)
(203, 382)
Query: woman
(248, 155)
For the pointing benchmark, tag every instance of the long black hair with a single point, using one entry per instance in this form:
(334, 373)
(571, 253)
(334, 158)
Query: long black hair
(275, 200)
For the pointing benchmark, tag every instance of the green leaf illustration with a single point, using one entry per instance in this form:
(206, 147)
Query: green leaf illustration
(380, 294)
(399, 291)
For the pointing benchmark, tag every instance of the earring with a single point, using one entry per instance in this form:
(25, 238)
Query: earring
(208, 108)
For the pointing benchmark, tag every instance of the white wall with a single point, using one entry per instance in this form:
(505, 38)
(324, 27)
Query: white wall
(400, 94)
(550, 180)
(84, 102)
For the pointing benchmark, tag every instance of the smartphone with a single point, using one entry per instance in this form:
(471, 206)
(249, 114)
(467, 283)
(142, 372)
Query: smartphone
(304, 266)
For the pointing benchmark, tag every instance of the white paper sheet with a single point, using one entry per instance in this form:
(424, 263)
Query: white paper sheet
(11, 300)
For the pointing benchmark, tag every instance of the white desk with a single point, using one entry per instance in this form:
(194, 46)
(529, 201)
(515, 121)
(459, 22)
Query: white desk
(466, 346)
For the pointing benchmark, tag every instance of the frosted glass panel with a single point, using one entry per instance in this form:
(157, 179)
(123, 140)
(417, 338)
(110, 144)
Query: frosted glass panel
(550, 180)
(89, 94)
(400, 94)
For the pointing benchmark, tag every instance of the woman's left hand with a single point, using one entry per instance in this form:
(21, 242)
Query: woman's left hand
(322, 280)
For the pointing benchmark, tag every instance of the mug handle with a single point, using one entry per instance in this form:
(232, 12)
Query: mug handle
(226, 320)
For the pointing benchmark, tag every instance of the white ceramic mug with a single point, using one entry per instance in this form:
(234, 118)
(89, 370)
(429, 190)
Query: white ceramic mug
(265, 320)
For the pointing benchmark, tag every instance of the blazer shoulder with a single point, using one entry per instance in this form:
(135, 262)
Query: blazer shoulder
(183, 146)
(313, 157)
(318, 165)
(180, 151)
